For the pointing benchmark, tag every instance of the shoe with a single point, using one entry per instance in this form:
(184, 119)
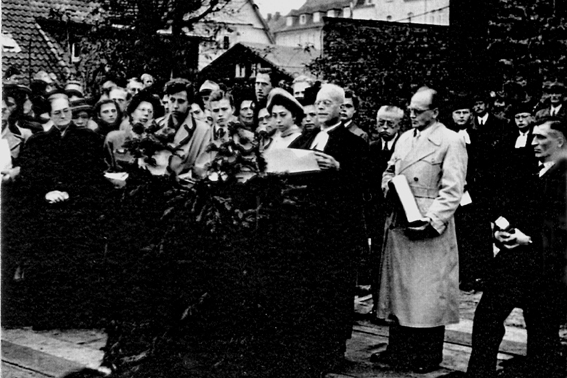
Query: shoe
(388, 358)
(454, 374)
(424, 368)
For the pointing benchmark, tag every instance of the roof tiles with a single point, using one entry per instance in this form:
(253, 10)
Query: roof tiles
(39, 51)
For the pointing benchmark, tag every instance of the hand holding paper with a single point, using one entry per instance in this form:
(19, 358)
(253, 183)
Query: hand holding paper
(326, 161)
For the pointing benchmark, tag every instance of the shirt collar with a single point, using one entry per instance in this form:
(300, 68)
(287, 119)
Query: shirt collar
(484, 118)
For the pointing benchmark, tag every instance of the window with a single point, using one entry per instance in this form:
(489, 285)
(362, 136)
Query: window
(226, 42)
(75, 53)
(346, 12)
(369, 2)
(388, 18)
(331, 13)
(316, 17)
(289, 21)
(303, 19)
(432, 17)
(240, 71)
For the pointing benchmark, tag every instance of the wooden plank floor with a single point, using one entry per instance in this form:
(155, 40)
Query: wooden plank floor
(30, 354)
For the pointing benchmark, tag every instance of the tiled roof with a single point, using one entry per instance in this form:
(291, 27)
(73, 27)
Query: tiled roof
(289, 59)
(39, 51)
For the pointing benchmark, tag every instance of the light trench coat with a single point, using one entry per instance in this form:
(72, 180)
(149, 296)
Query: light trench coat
(420, 278)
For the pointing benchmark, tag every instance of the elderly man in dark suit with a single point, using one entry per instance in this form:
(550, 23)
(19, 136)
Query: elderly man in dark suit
(336, 237)
(387, 129)
(420, 268)
(555, 106)
(492, 126)
(529, 267)
(64, 194)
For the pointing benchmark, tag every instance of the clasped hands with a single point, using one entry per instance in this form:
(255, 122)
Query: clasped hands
(56, 196)
(511, 240)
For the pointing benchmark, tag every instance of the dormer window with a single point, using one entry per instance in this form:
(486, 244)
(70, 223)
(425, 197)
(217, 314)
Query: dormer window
(331, 13)
(316, 17)
(303, 19)
(289, 21)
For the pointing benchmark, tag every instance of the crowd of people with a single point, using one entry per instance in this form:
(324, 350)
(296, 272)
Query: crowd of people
(490, 175)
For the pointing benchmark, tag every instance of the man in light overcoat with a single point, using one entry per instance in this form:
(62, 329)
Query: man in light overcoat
(419, 287)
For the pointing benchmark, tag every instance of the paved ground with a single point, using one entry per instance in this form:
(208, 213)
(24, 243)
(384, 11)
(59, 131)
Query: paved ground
(30, 354)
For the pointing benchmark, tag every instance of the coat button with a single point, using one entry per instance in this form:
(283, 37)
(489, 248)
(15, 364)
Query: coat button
(415, 179)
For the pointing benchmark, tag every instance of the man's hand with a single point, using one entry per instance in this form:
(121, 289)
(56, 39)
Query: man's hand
(10, 174)
(511, 240)
(56, 196)
(326, 161)
(424, 230)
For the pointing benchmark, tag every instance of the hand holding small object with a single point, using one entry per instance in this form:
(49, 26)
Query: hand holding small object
(512, 239)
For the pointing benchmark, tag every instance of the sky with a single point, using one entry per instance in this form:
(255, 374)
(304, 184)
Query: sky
(282, 6)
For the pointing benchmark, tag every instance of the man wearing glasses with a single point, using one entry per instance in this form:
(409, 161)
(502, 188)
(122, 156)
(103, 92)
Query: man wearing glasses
(419, 284)
(65, 195)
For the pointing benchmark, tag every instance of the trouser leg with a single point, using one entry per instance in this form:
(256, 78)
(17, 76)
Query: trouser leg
(417, 345)
(543, 313)
(488, 331)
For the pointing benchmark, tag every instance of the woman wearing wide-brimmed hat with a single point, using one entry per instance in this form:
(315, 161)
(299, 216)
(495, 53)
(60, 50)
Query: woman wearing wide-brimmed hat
(287, 114)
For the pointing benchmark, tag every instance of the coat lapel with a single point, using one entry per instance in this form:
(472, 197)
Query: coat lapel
(424, 147)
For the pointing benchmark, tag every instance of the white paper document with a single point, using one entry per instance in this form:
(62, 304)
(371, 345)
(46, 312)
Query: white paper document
(413, 214)
(290, 160)
(466, 199)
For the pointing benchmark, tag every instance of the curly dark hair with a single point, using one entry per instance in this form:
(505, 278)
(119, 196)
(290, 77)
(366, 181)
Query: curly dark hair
(141, 97)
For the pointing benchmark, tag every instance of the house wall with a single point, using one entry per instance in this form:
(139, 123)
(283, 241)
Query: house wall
(431, 12)
(242, 24)
(365, 12)
(303, 37)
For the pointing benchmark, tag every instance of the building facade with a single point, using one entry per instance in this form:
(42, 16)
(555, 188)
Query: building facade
(303, 27)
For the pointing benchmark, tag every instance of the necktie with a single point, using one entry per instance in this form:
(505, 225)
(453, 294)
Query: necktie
(553, 112)
(480, 122)
(416, 134)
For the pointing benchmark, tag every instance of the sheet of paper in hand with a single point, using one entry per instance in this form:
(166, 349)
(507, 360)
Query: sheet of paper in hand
(403, 190)
(290, 160)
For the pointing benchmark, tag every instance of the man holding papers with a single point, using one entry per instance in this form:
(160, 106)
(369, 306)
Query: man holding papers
(419, 287)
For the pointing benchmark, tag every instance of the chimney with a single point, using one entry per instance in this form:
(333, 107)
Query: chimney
(269, 18)
(277, 16)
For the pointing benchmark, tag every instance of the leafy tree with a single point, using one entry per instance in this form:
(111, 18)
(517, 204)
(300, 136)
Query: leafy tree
(125, 38)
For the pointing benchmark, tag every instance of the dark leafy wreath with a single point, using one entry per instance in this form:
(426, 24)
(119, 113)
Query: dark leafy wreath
(222, 213)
